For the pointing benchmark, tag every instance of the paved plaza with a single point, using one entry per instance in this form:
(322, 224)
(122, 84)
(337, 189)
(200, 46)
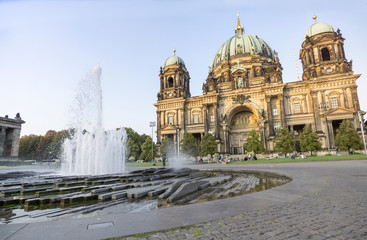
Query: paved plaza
(325, 200)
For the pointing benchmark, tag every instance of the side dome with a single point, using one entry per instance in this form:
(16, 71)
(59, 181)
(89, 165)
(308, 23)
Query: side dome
(174, 60)
(317, 28)
(240, 45)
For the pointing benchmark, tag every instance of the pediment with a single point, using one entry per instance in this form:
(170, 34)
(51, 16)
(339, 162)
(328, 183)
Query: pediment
(169, 127)
(340, 112)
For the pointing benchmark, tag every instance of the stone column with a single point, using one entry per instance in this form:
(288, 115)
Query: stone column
(182, 117)
(316, 54)
(164, 120)
(226, 139)
(2, 141)
(281, 109)
(349, 97)
(355, 98)
(345, 99)
(291, 130)
(316, 111)
(336, 49)
(177, 118)
(270, 116)
(331, 134)
(175, 79)
(205, 117)
(15, 142)
(306, 104)
(216, 122)
(307, 58)
(158, 126)
(341, 51)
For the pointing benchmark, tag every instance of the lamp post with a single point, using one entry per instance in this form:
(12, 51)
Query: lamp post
(178, 144)
(362, 130)
(152, 125)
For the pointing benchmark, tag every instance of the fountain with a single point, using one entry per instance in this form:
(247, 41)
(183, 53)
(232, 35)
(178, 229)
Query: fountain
(82, 190)
(92, 150)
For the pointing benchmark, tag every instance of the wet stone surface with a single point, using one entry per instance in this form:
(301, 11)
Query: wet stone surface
(337, 211)
(50, 197)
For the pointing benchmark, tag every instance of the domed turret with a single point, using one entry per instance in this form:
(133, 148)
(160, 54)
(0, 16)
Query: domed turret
(174, 60)
(322, 52)
(318, 28)
(174, 78)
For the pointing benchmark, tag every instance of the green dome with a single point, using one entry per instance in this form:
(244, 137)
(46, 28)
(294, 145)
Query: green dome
(317, 28)
(174, 60)
(242, 44)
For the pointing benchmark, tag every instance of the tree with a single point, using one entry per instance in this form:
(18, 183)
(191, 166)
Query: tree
(208, 145)
(188, 145)
(347, 137)
(43, 150)
(253, 143)
(133, 144)
(309, 141)
(146, 150)
(55, 146)
(28, 146)
(284, 142)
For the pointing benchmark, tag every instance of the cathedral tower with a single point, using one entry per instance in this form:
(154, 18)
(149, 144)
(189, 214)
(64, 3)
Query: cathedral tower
(322, 52)
(174, 79)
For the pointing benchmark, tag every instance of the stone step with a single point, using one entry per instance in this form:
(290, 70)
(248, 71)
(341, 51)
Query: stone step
(157, 191)
(137, 193)
(119, 195)
(185, 189)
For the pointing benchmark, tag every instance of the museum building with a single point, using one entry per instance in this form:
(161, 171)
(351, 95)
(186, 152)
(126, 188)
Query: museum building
(244, 90)
(10, 135)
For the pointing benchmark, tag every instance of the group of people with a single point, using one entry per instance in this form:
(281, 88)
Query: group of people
(217, 157)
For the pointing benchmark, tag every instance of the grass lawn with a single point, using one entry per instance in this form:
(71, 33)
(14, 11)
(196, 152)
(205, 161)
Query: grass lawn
(148, 164)
(30, 167)
(308, 159)
(274, 160)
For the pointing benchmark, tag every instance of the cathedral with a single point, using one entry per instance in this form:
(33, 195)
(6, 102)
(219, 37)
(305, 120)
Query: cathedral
(244, 90)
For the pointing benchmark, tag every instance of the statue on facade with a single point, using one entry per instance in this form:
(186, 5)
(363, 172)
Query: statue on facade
(350, 65)
(240, 82)
(205, 88)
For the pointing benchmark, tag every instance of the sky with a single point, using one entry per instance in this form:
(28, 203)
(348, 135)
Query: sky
(47, 47)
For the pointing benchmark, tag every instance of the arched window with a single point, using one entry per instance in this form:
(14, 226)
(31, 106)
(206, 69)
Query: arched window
(170, 82)
(325, 54)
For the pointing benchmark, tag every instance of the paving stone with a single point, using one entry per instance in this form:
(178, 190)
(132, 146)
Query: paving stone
(338, 211)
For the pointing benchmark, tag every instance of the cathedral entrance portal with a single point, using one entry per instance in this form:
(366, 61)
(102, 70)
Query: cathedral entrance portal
(240, 126)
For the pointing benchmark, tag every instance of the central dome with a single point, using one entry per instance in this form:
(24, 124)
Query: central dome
(240, 45)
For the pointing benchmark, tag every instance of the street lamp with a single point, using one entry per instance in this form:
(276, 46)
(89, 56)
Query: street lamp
(178, 144)
(152, 125)
(360, 113)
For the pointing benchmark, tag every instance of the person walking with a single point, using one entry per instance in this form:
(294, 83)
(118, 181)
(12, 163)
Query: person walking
(209, 157)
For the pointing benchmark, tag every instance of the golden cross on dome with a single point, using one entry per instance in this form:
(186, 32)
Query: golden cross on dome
(314, 18)
(174, 52)
(239, 29)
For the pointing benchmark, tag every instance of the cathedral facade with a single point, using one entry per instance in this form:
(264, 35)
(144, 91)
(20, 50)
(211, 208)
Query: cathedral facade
(244, 90)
